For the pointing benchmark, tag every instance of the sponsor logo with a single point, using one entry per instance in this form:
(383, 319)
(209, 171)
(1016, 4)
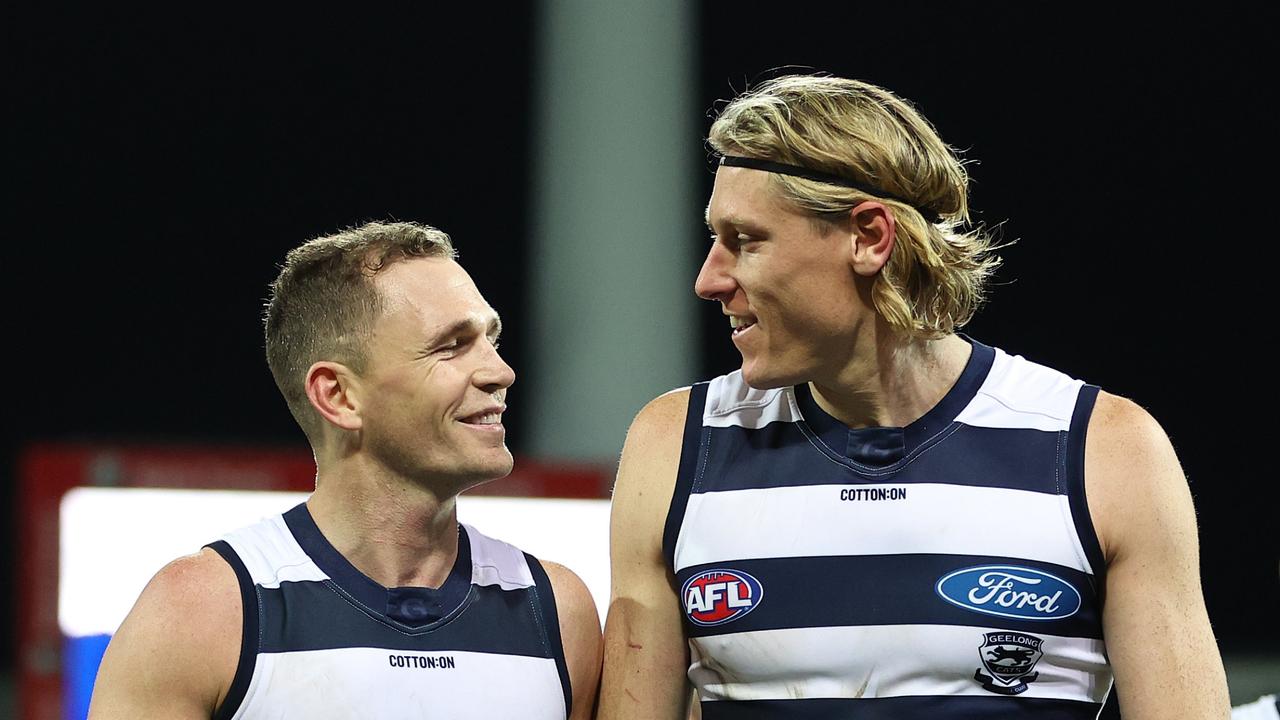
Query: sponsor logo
(716, 597)
(1010, 658)
(1010, 591)
(872, 494)
(442, 662)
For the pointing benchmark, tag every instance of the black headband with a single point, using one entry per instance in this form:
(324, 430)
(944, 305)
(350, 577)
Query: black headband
(819, 176)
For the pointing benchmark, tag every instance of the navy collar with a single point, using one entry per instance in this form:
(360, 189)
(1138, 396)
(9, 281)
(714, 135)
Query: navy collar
(881, 446)
(414, 607)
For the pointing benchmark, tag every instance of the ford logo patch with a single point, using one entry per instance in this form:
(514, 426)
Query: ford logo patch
(715, 597)
(1011, 592)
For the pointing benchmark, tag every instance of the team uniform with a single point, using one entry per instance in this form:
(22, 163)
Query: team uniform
(321, 640)
(948, 569)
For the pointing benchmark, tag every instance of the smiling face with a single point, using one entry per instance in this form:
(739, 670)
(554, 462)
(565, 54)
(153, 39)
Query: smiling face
(434, 390)
(785, 282)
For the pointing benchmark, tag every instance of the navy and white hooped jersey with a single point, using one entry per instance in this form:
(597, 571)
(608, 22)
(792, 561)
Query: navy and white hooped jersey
(322, 640)
(948, 569)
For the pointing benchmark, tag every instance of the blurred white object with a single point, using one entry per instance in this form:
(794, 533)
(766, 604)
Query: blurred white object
(113, 540)
(1264, 708)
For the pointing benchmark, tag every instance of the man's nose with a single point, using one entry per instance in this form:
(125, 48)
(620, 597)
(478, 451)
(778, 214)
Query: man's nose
(714, 281)
(495, 374)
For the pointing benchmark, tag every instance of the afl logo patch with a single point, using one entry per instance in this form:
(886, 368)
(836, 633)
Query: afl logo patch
(716, 597)
(1010, 591)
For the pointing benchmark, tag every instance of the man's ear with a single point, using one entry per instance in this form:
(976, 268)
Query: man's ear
(873, 235)
(334, 391)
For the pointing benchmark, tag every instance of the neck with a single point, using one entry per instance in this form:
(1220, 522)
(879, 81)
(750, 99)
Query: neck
(398, 533)
(894, 382)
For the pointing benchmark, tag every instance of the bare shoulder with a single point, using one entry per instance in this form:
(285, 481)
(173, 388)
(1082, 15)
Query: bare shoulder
(1120, 424)
(1132, 474)
(645, 649)
(579, 634)
(1157, 630)
(660, 418)
(195, 579)
(652, 449)
(196, 598)
(177, 650)
(573, 600)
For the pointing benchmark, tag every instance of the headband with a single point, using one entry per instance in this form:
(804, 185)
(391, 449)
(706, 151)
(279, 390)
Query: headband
(818, 176)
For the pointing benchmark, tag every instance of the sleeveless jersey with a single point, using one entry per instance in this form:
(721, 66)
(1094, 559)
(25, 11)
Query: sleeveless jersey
(948, 569)
(322, 640)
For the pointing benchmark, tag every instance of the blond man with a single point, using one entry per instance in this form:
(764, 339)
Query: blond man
(878, 517)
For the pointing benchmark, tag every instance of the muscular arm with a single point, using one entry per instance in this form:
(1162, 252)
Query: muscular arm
(646, 657)
(1161, 647)
(580, 635)
(176, 652)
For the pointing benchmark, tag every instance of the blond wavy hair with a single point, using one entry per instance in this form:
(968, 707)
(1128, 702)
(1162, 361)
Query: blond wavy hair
(323, 305)
(936, 275)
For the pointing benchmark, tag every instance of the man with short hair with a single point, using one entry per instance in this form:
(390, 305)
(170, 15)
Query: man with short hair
(370, 599)
(877, 517)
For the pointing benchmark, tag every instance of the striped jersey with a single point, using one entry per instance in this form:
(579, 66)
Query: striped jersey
(946, 569)
(322, 640)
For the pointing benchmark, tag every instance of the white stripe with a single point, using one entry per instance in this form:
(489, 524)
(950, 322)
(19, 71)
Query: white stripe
(1021, 394)
(494, 562)
(731, 402)
(933, 518)
(272, 555)
(878, 661)
(574, 533)
(362, 683)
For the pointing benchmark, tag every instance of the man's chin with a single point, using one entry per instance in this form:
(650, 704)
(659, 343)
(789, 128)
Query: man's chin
(496, 469)
(760, 378)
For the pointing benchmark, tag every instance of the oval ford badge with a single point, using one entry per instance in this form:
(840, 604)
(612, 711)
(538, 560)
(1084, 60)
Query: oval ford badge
(1010, 591)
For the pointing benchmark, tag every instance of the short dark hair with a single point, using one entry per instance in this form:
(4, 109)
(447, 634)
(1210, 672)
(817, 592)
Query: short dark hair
(323, 305)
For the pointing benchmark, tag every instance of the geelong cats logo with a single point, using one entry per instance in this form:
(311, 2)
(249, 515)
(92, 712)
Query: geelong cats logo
(716, 597)
(1011, 658)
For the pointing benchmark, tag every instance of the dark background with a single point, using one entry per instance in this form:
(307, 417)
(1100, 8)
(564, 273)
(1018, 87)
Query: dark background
(160, 165)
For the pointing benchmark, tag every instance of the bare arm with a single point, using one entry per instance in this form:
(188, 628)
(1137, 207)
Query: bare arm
(646, 657)
(1161, 647)
(580, 635)
(176, 653)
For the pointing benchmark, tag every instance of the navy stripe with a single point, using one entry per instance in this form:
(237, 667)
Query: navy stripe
(1074, 463)
(551, 625)
(690, 449)
(844, 591)
(780, 455)
(248, 636)
(965, 707)
(313, 615)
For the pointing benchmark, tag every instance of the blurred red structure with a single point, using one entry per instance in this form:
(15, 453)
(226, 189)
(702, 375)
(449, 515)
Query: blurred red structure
(47, 472)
